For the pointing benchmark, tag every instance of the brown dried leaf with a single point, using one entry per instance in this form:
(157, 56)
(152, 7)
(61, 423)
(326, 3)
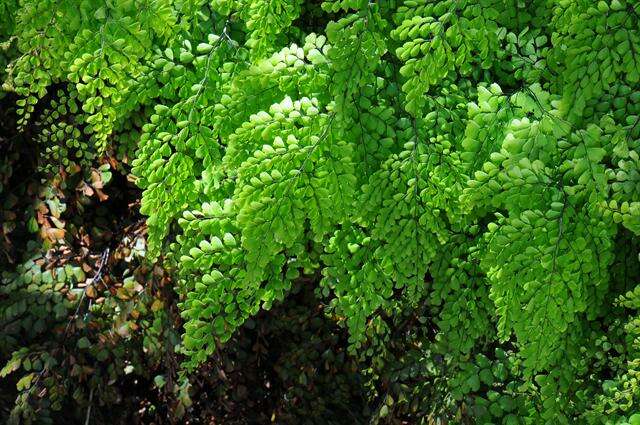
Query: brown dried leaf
(54, 234)
(96, 179)
(91, 291)
(86, 189)
(101, 195)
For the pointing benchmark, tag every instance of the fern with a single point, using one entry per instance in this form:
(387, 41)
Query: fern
(455, 179)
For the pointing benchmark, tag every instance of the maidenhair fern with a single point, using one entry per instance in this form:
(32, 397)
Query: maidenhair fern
(326, 172)
(471, 163)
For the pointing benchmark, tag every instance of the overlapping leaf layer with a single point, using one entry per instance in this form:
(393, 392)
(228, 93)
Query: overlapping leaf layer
(457, 179)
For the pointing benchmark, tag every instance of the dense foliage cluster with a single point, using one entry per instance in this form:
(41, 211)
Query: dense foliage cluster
(394, 211)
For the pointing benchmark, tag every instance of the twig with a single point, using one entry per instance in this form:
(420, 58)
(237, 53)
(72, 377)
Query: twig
(86, 421)
(103, 259)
